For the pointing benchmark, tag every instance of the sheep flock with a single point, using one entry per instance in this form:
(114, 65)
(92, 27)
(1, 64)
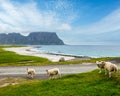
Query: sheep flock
(108, 67)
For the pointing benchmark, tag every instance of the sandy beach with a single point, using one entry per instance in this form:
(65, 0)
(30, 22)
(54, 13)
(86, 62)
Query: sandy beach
(29, 51)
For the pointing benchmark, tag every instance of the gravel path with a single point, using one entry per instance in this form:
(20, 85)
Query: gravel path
(41, 73)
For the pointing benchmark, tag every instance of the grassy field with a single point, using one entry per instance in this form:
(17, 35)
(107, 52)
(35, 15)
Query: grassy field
(8, 58)
(85, 84)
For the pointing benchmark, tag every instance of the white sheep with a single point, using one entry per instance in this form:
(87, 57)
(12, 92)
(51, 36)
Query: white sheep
(53, 72)
(108, 66)
(31, 72)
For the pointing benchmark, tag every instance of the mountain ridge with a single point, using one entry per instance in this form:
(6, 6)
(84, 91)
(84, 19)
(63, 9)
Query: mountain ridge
(34, 38)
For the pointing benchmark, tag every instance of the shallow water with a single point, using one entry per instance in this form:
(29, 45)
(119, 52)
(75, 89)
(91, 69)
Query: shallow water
(81, 50)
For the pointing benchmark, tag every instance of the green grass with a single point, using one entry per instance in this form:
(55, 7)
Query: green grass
(8, 58)
(85, 84)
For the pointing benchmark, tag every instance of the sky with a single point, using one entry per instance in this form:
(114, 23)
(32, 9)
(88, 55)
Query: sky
(76, 22)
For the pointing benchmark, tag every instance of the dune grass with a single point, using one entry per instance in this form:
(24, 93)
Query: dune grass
(85, 84)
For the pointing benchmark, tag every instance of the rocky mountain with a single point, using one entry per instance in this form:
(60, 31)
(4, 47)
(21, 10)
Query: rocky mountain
(34, 38)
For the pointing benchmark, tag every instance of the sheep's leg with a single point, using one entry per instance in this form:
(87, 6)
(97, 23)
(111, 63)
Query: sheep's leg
(60, 75)
(100, 70)
(116, 72)
(29, 75)
(32, 75)
(55, 76)
(50, 77)
(109, 74)
(105, 72)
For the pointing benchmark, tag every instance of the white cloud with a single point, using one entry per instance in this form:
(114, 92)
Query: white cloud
(107, 24)
(27, 17)
(65, 27)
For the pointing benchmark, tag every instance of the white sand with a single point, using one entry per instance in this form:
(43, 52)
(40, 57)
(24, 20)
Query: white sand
(28, 51)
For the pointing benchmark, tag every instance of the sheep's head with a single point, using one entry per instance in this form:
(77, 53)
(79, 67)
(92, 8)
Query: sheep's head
(103, 63)
(100, 64)
(26, 68)
(47, 72)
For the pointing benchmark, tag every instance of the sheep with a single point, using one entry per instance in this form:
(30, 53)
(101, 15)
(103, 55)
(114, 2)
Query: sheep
(108, 66)
(31, 72)
(52, 72)
(62, 59)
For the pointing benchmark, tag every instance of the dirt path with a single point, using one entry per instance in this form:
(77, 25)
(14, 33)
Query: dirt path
(41, 73)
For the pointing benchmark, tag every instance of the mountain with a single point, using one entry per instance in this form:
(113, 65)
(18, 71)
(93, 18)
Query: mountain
(34, 38)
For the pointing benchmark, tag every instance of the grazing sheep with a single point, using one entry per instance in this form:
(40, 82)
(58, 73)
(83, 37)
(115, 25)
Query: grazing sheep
(31, 72)
(53, 72)
(108, 66)
(62, 59)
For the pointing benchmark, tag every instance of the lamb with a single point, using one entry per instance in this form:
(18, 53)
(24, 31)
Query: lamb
(108, 66)
(31, 72)
(53, 72)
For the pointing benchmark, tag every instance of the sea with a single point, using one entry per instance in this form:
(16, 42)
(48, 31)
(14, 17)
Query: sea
(81, 50)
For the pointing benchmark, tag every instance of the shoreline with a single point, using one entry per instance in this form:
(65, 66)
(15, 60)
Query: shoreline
(29, 52)
(51, 56)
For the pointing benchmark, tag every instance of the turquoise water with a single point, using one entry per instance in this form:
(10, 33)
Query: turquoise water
(82, 50)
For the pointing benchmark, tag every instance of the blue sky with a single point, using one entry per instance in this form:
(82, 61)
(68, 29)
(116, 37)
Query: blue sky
(84, 22)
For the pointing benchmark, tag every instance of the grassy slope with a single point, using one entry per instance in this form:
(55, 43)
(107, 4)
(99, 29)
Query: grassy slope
(11, 58)
(85, 84)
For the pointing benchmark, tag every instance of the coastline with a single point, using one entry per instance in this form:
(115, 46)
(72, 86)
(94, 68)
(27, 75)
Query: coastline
(51, 56)
(29, 52)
